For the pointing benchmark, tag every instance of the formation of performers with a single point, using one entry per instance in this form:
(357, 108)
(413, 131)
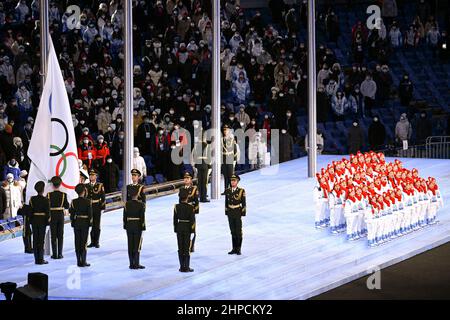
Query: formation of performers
(367, 196)
(86, 210)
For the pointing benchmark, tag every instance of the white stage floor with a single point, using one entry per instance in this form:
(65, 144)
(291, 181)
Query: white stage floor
(284, 256)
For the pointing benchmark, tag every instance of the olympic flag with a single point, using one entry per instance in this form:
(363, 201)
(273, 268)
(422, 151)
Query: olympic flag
(52, 149)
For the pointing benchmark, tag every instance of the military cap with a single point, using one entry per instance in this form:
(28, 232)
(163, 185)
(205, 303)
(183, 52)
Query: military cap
(136, 171)
(235, 177)
(93, 171)
(187, 174)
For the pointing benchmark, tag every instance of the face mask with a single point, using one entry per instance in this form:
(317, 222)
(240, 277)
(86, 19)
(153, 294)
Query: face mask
(231, 118)
(121, 137)
(119, 120)
(288, 114)
(160, 132)
(171, 112)
(109, 160)
(100, 141)
(82, 122)
(86, 141)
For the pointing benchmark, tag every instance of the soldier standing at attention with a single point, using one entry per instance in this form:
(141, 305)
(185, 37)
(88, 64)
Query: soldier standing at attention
(81, 214)
(134, 224)
(96, 193)
(58, 206)
(202, 162)
(190, 192)
(229, 155)
(184, 225)
(235, 209)
(135, 185)
(40, 218)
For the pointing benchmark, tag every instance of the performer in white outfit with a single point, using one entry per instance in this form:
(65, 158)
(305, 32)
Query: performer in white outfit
(321, 194)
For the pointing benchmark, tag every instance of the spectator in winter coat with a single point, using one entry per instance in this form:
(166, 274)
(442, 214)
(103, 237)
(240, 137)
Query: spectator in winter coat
(403, 130)
(139, 163)
(355, 101)
(242, 117)
(257, 150)
(323, 75)
(241, 89)
(369, 91)
(339, 105)
(331, 88)
(405, 90)
(355, 138)
(423, 128)
(395, 37)
(377, 134)
(12, 167)
(389, 9)
(110, 175)
(323, 105)
(286, 146)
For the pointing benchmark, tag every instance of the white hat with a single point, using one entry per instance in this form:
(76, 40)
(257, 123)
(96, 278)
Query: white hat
(9, 175)
(23, 173)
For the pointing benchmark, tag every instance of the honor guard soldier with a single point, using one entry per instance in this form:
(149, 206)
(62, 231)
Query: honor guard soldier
(235, 209)
(190, 192)
(96, 193)
(25, 212)
(184, 226)
(81, 216)
(202, 163)
(229, 154)
(40, 218)
(58, 206)
(135, 176)
(134, 224)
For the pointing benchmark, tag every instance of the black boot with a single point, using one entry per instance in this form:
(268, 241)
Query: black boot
(187, 260)
(181, 259)
(83, 259)
(97, 239)
(136, 257)
(131, 257)
(79, 261)
(238, 246)
(233, 240)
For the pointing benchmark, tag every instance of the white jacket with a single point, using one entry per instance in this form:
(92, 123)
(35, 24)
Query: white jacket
(139, 163)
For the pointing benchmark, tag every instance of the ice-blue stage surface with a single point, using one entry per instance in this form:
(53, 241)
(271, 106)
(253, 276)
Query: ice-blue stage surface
(284, 257)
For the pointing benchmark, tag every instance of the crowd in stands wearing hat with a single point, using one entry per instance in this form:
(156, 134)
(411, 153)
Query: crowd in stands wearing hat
(367, 196)
(263, 64)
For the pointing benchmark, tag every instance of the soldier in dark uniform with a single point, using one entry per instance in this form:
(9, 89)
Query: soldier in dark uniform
(25, 212)
(202, 163)
(135, 177)
(58, 205)
(96, 193)
(229, 155)
(190, 192)
(81, 214)
(184, 226)
(134, 224)
(40, 218)
(235, 209)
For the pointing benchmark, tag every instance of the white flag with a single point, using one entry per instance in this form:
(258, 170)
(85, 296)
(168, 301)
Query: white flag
(53, 148)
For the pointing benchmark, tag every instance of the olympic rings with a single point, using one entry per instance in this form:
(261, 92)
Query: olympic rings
(64, 157)
(60, 151)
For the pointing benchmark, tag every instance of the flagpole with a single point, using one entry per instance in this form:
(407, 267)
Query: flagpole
(215, 178)
(43, 22)
(128, 72)
(312, 119)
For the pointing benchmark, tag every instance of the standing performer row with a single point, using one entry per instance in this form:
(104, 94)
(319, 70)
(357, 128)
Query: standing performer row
(366, 196)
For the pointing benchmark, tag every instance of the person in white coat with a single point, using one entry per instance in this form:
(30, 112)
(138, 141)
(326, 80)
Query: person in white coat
(257, 150)
(436, 201)
(13, 192)
(139, 163)
(321, 195)
(336, 203)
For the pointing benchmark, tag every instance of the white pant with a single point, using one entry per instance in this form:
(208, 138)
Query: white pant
(322, 210)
